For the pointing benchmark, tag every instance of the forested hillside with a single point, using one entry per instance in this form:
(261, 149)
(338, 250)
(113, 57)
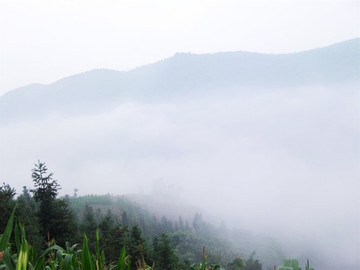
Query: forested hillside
(119, 223)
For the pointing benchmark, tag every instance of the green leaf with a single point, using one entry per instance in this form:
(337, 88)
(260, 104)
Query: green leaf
(40, 263)
(4, 241)
(52, 248)
(122, 260)
(86, 261)
(23, 255)
(17, 238)
(100, 262)
(68, 262)
(8, 260)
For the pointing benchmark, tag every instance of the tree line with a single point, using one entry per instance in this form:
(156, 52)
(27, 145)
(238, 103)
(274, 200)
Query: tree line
(50, 220)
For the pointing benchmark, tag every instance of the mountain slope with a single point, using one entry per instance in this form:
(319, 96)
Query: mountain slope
(182, 74)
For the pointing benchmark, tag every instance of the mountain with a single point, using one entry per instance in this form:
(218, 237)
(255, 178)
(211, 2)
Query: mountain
(180, 76)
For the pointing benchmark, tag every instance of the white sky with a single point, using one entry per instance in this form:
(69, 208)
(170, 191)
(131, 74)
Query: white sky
(44, 40)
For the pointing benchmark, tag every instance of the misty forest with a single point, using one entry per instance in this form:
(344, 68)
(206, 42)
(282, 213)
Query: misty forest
(231, 160)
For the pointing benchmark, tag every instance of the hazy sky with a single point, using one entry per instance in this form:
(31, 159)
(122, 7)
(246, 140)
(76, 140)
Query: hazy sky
(44, 40)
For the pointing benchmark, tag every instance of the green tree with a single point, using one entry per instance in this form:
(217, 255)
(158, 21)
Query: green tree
(106, 227)
(237, 264)
(138, 247)
(26, 215)
(197, 222)
(7, 203)
(56, 218)
(45, 192)
(89, 226)
(164, 254)
(64, 225)
(252, 264)
(125, 219)
(46, 188)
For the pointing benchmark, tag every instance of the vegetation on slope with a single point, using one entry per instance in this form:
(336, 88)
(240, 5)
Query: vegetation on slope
(115, 234)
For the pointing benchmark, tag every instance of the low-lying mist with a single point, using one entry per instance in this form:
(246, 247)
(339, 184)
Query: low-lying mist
(283, 162)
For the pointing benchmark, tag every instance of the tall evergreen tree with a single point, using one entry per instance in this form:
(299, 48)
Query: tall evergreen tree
(45, 192)
(135, 250)
(125, 219)
(164, 254)
(46, 188)
(26, 215)
(106, 227)
(252, 263)
(197, 222)
(63, 223)
(7, 203)
(238, 264)
(55, 216)
(89, 226)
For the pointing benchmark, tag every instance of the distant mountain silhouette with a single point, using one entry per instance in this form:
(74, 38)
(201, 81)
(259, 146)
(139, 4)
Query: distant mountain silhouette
(182, 75)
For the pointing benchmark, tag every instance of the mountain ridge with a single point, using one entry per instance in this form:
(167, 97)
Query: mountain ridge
(355, 42)
(181, 75)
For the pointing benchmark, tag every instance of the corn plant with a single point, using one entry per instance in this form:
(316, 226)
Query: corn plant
(6, 259)
(289, 264)
(23, 256)
(140, 264)
(204, 264)
(5, 237)
(54, 257)
(292, 264)
(124, 262)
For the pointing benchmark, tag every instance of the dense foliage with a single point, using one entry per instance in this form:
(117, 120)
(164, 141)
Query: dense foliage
(108, 227)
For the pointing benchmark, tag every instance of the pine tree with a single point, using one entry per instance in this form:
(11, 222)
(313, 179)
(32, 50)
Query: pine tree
(56, 218)
(89, 226)
(46, 188)
(238, 264)
(135, 250)
(64, 226)
(164, 254)
(45, 192)
(7, 203)
(253, 264)
(26, 215)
